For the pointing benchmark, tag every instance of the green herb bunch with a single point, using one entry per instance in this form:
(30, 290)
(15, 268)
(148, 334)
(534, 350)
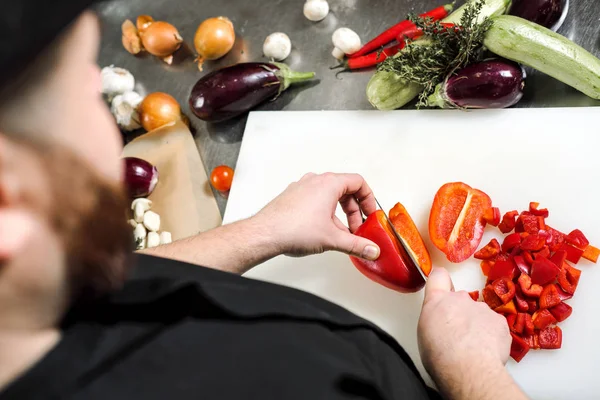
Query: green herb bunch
(444, 50)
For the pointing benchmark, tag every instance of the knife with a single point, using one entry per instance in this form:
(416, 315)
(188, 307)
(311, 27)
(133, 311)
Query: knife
(405, 253)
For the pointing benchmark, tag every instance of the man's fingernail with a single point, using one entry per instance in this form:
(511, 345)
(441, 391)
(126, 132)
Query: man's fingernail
(370, 252)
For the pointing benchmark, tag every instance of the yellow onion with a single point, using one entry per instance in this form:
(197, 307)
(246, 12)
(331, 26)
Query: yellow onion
(158, 109)
(161, 39)
(143, 22)
(214, 38)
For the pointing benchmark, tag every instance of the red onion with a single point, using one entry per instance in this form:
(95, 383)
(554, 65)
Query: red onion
(141, 177)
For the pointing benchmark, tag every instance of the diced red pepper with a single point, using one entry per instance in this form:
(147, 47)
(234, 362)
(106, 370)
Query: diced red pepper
(529, 328)
(528, 288)
(519, 348)
(486, 265)
(520, 302)
(541, 223)
(529, 222)
(563, 295)
(573, 253)
(504, 289)
(549, 297)
(492, 216)
(561, 311)
(489, 252)
(543, 271)
(533, 305)
(511, 241)
(551, 338)
(543, 318)
(508, 221)
(544, 252)
(490, 297)
(517, 323)
(474, 295)
(503, 268)
(577, 239)
(533, 340)
(528, 257)
(539, 212)
(568, 278)
(557, 238)
(559, 258)
(508, 308)
(533, 242)
(521, 264)
(591, 253)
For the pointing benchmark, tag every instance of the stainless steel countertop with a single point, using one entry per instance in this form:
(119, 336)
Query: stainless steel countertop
(220, 143)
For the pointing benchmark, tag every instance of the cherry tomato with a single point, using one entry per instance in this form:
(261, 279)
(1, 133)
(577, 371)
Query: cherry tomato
(221, 178)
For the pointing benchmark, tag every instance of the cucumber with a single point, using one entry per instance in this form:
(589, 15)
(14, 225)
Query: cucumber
(528, 43)
(385, 91)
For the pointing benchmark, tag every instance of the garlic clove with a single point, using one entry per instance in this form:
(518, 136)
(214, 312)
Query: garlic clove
(139, 235)
(151, 221)
(165, 237)
(152, 240)
(140, 244)
(146, 204)
(125, 112)
(132, 223)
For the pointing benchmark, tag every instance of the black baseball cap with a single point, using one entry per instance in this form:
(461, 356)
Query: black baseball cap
(28, 26)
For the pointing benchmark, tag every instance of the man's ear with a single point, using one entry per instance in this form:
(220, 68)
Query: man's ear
(16, 229)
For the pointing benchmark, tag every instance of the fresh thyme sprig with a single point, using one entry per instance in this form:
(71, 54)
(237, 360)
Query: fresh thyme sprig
(443, 52)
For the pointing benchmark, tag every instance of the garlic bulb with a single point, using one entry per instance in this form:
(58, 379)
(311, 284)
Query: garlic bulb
(316, 10)
(124, 109)
(116, 81)
(277, 46)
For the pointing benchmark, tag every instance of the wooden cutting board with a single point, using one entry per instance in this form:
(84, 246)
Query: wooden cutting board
(516, 156)
(182, 197)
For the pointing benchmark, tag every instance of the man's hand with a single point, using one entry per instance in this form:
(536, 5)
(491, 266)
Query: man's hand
(463, 344)
(302, 219)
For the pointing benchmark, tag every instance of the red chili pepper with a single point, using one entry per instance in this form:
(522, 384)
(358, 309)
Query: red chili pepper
(508, 308)
(518, 348)
(577, 239)
(474, 295)
(533, 242)
(370, 60)
(521, 264)
(573, 253)
(544, 252)
(486, 265)
(501, 269)
(529, 327)
(533, 340)
(492, 216)
(533, 208)
(568, 278)
(504, 289)
(490, 297)
(520, 302)
(489, 252)
(549, 297)
(508, 221)
(551, 338)
(543, 318)
(392, 33)
(528, 288)
(510, 242)
(561, 311)
(591, 253)
(543, 271)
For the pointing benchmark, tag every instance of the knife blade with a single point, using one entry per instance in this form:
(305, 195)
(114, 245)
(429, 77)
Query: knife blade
(405, 253)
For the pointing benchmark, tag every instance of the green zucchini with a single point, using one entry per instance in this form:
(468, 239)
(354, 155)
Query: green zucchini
(528, 43)
(385, 91)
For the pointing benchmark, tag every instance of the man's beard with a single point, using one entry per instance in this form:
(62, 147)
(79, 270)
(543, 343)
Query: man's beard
(89, 216)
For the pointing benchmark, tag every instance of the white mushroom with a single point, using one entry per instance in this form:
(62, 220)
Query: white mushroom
(277, 46)
(139, 235)
(346, 41)
(116, 81)
(152, 240)
(139, 207)
(165, 237)
(124, 109)
(316, 10)
(152, 221)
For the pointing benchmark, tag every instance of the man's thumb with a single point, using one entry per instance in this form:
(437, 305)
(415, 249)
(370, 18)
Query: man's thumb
(356, 246)
(438, 280)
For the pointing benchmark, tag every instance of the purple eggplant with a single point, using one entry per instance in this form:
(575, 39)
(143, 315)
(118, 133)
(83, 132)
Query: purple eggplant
(234, 90)
(548, 13)
(488, 84)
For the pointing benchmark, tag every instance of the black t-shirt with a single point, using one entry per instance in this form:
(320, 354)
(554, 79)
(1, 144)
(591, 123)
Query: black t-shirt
(179, 331)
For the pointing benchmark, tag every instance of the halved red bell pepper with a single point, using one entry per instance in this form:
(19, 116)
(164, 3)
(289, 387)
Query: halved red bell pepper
(529, 328)
(520, 302)
(521, 264)
(573, 253)
(390, 269)
(577, 239)
(561, 311)
(591, 253)
(490, 297)
(568, 278)
(508, 221)
(506, 309)
(501, 269)
(538, 212)
(510, 242)
(406, 228)
(543, 318)
(543, 271)
(489, 252)
(549, 297)
(533, 340)
(533, 242)
(474, 295)
(551, 338)
(504, 289)
(519, 347)
(529, 289)
(492, 216)
(456, 221)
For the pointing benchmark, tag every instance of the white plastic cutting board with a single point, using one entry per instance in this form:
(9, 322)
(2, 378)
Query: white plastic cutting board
(516, 156)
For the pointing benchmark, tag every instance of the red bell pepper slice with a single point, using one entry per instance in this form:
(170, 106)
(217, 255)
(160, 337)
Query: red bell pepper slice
(573, 253)
(557, 238)
(528, 288)
(522, 265)
(501, 269)
(520, 302)
(506, 309)
(533, 242)
(591, 253)
(561, 311)
(508, 221)
(492, 216)
(543, 318)
(549, 297)
(529, 328)
(577, 239)
(390, 269)
(504, 289)
(516, 323)
(568, 278)
(518, 348)
(543, 271)
(533, 340)
(486, 265)
(529, 223)
(474, 295)
(538, 212)
(407, 230)
(544, 252)
(490, 297)
(510, 242)
(489, 252)
(456, 221)
(551, 338)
